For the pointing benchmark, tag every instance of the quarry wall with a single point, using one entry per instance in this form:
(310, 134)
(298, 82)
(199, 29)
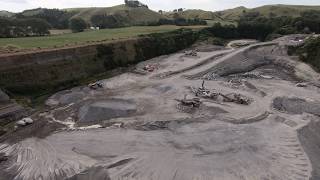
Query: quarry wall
(35, 72)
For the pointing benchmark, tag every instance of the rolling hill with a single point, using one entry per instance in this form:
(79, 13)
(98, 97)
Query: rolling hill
(195, 14)
(284, 10)
(6, 14)
(128, 15)
(235, 13)
(274, 10)
(142, 16)
(232, 14)
(131, 15)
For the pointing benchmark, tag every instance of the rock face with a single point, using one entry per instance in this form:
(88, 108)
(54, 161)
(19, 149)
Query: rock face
(22, 72)
(4, 98)
(9, 110)
(105, 110)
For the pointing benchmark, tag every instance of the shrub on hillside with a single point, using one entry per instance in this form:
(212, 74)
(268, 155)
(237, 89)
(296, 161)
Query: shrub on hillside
(255, 30)
(309, 52)
(77, 25)
(108, 21)
(227, 31)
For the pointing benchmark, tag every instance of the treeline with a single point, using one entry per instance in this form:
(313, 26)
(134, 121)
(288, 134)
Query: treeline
(308, 22)
(182, 22)
(104, 21)
(23, 27)
(258, 31)
(117, 21)
(36, 22)
(253, 25)
(57, 19)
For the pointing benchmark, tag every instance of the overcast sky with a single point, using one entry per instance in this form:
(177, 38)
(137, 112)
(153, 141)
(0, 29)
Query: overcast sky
(213, 5)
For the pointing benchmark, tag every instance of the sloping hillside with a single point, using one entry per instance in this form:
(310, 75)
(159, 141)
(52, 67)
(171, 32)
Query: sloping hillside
(127, 15)
(130, 15)
(195, 14)
(33, 12)
(235, 13)
(268, 10)
(232, 14)
(6, 14)
(284, 10)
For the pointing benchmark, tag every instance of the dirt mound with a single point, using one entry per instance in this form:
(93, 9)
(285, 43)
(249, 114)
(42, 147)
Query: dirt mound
(40, 129)
(105, 110)
(92, 173)
(310, 139)
(241, 61)
(296, 105)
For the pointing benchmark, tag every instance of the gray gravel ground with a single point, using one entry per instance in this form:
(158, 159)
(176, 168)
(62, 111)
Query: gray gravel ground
(135, 129)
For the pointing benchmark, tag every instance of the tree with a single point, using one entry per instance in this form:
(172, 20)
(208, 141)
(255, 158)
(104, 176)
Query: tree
(5, 25)
(23, 27)
(227, 31)
(35, 26)
(180, 22)
(255, 30)
(308, 20)
(58, 19)
(77, 25)
(108, 21)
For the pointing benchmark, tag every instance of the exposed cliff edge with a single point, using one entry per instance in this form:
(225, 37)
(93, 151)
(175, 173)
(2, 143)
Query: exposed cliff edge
(40, 72)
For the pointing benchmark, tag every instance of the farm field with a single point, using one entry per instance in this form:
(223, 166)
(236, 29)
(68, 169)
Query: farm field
(86, 37)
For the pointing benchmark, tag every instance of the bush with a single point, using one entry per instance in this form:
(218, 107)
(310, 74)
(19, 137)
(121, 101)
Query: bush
(254, 30)
(227, 31)
(251, 30)
(108, 21)
(271, 37)
(286, 30)
(309, 20)
(217, 41)
(309, 52)
(77, 25)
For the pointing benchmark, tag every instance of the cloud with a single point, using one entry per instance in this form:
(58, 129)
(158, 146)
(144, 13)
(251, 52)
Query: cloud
(72, 3)
(13, 1)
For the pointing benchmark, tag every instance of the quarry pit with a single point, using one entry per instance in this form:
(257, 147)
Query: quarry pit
(236, 112)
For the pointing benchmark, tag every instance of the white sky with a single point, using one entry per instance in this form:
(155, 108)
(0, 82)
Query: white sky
(213, 5)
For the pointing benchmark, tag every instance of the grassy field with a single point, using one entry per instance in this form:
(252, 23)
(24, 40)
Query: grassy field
(60, 31)
(85, 37)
